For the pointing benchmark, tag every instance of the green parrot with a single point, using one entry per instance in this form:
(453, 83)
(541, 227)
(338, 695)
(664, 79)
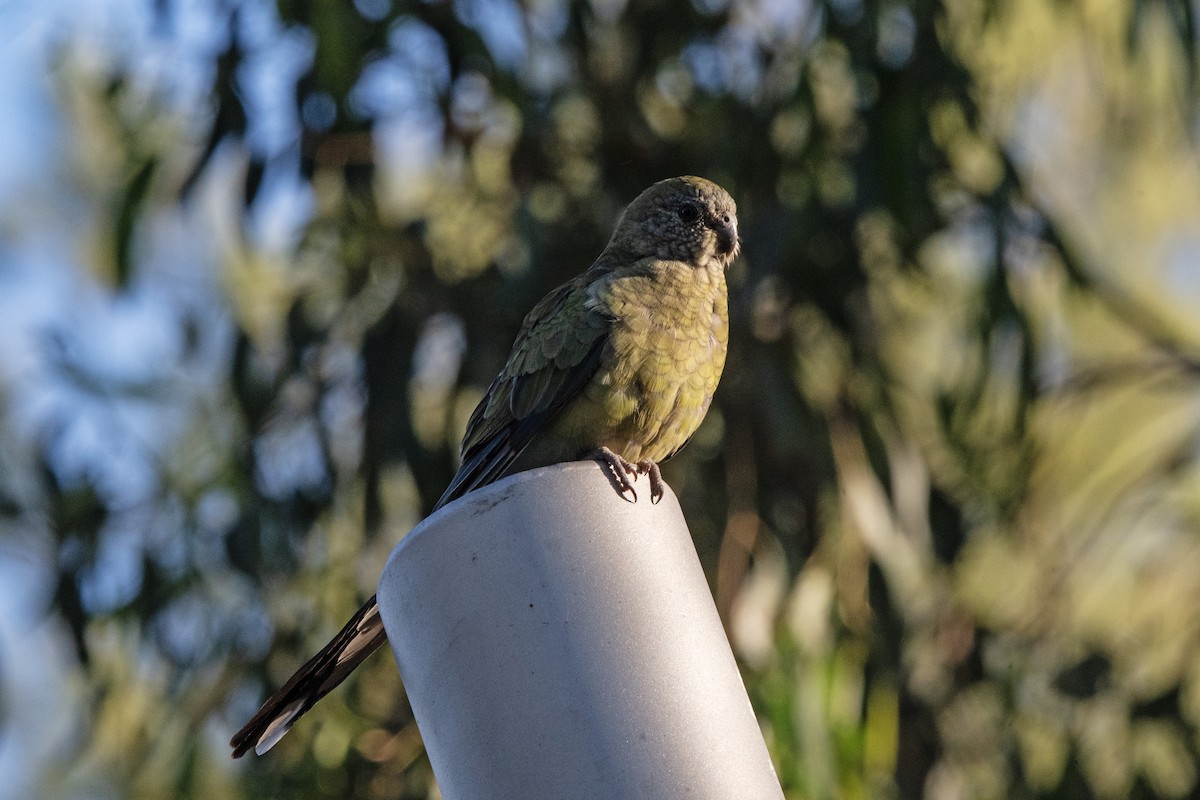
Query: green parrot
(618, 364)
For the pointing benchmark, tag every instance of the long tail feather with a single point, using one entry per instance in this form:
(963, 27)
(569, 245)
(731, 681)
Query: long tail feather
(361, 636)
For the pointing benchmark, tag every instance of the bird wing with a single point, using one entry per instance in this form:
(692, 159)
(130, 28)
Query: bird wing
(557, 351)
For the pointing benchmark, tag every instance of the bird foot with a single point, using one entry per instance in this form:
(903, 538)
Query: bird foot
(624, 472)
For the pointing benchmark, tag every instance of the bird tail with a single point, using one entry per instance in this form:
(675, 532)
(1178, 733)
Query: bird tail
(361, 636)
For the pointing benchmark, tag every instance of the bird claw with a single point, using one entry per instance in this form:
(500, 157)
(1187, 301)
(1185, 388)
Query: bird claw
(650, 470)
(621, 470)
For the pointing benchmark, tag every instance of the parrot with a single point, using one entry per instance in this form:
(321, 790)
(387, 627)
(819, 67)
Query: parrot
(618, 364)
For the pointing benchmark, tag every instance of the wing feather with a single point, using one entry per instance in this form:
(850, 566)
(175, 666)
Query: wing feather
(558, 350)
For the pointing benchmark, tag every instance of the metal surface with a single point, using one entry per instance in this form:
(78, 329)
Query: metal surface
(558, 641)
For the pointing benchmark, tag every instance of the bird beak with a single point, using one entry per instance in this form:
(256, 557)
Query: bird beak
(727, 237)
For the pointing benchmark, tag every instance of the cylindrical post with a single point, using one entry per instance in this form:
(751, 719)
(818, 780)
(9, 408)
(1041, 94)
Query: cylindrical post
(559, 641)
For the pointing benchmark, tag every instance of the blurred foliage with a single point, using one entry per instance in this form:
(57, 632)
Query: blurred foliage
(948, 493)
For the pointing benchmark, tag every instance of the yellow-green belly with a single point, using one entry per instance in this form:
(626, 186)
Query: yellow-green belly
(658, 374)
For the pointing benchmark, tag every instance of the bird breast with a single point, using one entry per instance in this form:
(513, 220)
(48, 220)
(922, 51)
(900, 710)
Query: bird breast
(665, 356)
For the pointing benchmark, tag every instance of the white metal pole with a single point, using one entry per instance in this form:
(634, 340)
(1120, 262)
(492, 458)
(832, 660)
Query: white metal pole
(559, 641)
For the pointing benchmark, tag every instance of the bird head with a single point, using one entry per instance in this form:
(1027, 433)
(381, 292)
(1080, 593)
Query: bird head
(683, 219)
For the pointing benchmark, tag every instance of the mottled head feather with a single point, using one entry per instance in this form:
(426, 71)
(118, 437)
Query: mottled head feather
(686, 219)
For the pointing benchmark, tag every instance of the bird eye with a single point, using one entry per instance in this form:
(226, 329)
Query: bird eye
(688, 212)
